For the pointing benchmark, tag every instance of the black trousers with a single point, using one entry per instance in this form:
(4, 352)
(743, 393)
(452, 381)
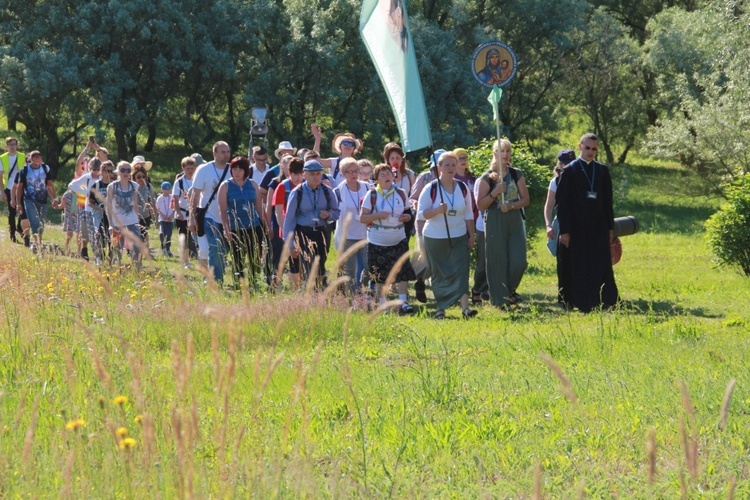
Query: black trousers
(312, 242)
(13, 224)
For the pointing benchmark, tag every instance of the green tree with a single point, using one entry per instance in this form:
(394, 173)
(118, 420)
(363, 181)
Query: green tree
(703, 58)
(726, 230)
(604, 78)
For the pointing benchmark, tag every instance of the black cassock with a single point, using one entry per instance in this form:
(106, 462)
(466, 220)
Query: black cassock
(584, 210)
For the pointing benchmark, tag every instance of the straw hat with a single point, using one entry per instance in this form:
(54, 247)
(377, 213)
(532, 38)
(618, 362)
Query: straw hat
(339, 138)
(140, 159)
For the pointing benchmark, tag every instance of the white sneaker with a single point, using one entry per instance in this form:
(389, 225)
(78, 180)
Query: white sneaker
(33, 248)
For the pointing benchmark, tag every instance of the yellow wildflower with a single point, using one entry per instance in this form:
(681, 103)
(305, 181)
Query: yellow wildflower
(74, 425)
(138, 419)
(127, 443)
(122, 432)
(121, 400)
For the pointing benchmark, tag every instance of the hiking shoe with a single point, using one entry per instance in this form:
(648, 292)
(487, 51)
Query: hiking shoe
(33, 248)
(405, 309)
(469, 313)
(439, 314)
(419, 291)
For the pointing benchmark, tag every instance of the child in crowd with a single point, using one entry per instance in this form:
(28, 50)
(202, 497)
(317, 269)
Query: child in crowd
(69, 205)
(166, 218)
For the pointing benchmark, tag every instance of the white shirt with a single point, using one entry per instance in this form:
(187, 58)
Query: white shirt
(183, 193)
(206, 178)
(459, 211)
(349, 203)
(163, 206)
(258, 175)
(82, 186)
(386, 232)
(479, 224)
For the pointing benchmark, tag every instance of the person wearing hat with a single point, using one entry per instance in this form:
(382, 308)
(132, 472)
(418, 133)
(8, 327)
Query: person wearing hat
(564, 157)
(312, 206)
(166, 218)
(345, 145)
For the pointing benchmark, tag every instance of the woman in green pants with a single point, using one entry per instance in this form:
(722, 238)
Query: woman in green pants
(502, 194)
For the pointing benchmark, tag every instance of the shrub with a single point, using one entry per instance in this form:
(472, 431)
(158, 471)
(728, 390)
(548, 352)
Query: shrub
(728, 230)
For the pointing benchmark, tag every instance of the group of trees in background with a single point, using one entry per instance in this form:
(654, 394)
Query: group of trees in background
(670, 75)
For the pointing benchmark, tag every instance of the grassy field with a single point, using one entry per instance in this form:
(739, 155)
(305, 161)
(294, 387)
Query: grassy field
(123, 385)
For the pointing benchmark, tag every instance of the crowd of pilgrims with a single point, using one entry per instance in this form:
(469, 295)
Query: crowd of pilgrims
(275, 225)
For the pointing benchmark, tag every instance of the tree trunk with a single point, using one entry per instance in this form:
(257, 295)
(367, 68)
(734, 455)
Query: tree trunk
(151, 137)
(122, 147)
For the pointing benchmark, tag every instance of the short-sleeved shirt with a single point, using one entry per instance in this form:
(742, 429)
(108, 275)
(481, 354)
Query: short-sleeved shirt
(349, 204)
(36, 184)
(459, 210)
(386, 232)
(163, 206)
(182, 190)
(206, 178)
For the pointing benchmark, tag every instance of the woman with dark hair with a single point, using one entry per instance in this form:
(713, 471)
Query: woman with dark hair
(146, 202)
(385, 209)
(242, 218)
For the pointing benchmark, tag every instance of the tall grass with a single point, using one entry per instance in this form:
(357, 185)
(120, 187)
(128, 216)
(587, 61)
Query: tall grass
(122, 384)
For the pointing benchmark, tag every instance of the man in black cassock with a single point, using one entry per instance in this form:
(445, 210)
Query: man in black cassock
(586, 217)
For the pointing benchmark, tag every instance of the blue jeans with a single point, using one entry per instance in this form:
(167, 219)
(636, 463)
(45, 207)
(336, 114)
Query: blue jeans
(355, 266)
(36, 213)
(216, 249)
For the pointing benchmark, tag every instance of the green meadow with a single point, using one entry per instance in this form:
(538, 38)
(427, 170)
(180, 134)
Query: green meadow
(116, 384)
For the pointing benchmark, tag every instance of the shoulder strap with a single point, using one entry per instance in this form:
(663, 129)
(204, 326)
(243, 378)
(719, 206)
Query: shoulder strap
(433, 191)
(403, 195)
(216, 188)
(373, 200)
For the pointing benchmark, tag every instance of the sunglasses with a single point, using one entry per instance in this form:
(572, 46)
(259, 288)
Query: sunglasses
(351, 144)
(125, 170)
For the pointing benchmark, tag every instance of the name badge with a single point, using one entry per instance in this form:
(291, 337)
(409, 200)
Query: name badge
(452, 212)
(591, 195)
(316, 220)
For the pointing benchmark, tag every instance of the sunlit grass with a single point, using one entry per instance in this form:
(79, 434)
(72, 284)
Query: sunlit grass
(115, 383)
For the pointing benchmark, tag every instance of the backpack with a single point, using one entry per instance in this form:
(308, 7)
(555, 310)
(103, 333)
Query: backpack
(374, 199)
(514, 176)
(464, 190)
(25, 172)
(297, 210)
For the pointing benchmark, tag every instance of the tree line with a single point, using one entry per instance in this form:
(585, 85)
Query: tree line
(666, 75)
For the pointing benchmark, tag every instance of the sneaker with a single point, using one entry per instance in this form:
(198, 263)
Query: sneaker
(98, 261)
(186, 265)
(419, 291)
(469, 313)
(33, 248)
(405, 309)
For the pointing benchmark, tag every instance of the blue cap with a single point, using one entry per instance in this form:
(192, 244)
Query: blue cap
(166, 185)
(313, 166)
(435, 157)
(566, 156)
